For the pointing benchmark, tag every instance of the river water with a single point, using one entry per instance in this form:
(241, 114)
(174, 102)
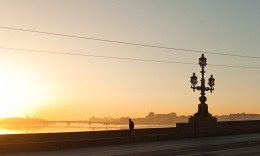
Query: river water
(55, 128)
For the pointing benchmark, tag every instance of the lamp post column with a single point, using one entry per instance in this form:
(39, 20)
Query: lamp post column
(202, 121)
(202, 107)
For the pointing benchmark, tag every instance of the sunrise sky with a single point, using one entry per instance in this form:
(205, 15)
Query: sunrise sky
(56, 86)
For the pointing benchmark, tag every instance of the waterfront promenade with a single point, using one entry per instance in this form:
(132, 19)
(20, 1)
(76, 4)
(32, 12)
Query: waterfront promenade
(197, 137)
(247, 144)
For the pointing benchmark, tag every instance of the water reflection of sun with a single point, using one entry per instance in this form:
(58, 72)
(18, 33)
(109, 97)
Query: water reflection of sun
(4, 131)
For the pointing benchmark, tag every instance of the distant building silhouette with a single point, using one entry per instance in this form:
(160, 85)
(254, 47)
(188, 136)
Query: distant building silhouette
(172, 118)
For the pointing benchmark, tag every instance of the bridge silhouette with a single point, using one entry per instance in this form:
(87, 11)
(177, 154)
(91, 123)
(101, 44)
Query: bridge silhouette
(78, 121)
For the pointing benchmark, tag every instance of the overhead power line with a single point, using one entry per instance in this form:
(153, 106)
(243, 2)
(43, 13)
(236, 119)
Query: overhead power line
(129, 43)
(123, 58)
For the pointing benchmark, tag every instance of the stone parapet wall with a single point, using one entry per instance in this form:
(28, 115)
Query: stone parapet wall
(67, 144)
(43, 137)
(220, 128)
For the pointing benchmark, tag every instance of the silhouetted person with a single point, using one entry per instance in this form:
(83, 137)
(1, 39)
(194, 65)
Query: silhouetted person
(131, 127)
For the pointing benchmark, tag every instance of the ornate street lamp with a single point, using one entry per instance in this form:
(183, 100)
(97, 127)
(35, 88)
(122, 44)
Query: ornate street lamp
(203, 107)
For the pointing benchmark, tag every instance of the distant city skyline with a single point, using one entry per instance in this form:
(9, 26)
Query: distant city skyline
(58, 86)
(183, 118)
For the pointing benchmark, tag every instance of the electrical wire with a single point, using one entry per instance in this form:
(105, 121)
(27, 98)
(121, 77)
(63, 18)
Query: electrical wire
(130, 43)
(123, 58)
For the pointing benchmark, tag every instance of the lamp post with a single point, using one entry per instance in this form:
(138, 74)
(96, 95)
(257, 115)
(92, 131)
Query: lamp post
(202, 107)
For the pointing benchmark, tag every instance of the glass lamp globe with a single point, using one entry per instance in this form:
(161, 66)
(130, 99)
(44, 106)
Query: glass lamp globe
(193, 79)
(211, 81)
(202, 61)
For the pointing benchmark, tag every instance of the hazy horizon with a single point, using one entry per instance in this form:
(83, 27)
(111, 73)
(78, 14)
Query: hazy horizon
(112, 117)
(56, 86)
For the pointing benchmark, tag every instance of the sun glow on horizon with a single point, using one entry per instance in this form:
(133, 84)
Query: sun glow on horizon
(19, 91)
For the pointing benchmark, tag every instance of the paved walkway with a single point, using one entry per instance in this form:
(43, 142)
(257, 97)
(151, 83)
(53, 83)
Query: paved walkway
(224, 145)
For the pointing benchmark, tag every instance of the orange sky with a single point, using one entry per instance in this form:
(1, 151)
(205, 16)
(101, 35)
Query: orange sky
(75, 87)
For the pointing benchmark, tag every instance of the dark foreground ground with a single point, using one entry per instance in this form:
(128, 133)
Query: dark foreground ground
(238, 145)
